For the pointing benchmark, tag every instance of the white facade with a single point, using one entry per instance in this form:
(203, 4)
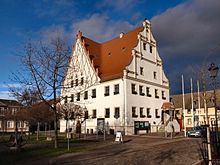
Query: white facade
(138, 94)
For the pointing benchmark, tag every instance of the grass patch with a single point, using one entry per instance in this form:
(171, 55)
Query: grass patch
(42, 150)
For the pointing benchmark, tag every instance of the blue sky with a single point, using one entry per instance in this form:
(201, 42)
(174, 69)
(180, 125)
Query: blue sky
(187, 31)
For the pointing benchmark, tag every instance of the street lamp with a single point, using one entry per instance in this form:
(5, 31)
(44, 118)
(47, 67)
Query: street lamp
(213, 70)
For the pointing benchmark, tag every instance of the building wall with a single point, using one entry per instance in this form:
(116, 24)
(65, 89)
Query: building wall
(144, 70)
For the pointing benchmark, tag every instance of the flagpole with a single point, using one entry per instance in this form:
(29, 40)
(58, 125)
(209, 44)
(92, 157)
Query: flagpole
(191, 84)
(199, 104)
(184, 107)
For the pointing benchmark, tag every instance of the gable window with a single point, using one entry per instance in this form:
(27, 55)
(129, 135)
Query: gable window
(148, 113)
(107, 91)
(94, 93)
(148, 92)
(72, 98)
(142, 112)
(116, 89)
(65, 99)
(107, 112)
(72, 83)
(117, 112)
(144, 46)
(134, 112)
(78, 97)
(157, 113)
(151, 49)
(77, 83)
(82, 80)
(155, 75)
(141, 90)
(141, 71)
(94, 113)
(133, 89)
(86, 95)
(163, 95)
(156, 93)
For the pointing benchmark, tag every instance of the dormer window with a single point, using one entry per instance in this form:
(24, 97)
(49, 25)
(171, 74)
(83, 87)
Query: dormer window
(144, 46)
(155, 75)
(141, 71)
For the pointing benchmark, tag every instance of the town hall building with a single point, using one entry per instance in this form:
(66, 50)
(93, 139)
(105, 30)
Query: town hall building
(120, 83)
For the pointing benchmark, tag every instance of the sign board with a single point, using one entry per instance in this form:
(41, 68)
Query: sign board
(142, 125)
(118, 137)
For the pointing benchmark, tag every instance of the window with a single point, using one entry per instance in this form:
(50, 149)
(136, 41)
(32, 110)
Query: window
(142, 112)
(155, 75)
(141, 90)
(1, 110)
(107, 91)
(156, 93)
(157, 113)
(133, 89)
(77, 83)
(94, 93)
(163, 95)
(144, 46)
(134, 112)
(72, 98)
(82, 80)
(72, 83)
(151, 50)
(107, 112)
(9, 124)
(116, 89)
(65, 99)
(78, 97)
(117, 112)
(189, 121)
(148, 113)
(141, 71)
(94, 113)
(0, 124)
(86, 95)
(188, 111)
(148, 92)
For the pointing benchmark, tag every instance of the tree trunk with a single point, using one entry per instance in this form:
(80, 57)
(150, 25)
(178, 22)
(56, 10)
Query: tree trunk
(45, 129)
(38, 130)
(66, 130)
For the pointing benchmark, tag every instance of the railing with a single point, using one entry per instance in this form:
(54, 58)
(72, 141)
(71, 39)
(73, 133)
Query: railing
(215, 145)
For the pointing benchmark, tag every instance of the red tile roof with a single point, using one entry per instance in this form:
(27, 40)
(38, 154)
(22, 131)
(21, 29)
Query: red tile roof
(113, 56)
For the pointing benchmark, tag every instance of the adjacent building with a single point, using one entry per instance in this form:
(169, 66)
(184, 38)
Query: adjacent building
(194, 112)
(9, 116)
(120, 83)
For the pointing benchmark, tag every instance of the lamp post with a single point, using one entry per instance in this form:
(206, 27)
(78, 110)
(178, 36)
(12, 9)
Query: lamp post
(213, 70)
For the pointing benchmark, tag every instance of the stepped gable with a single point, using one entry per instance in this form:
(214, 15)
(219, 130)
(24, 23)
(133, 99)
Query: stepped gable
(111, 57)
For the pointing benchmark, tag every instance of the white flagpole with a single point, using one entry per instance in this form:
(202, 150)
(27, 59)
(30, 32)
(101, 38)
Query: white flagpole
(184, 107)
(191, 84)
(199, 104)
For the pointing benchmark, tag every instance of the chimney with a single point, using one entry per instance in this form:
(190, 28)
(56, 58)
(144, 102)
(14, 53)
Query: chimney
(121, 34)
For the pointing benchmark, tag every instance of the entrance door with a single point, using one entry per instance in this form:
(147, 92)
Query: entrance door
(100, 125)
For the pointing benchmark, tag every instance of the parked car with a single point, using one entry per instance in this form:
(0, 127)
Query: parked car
(196, 132)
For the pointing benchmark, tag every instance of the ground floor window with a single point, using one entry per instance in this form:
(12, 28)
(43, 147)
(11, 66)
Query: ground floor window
(9, 124)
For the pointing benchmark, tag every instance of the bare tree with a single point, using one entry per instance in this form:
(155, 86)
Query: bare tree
(44, 65)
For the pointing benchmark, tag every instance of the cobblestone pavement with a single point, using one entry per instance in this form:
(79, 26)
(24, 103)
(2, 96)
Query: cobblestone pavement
(138, 150)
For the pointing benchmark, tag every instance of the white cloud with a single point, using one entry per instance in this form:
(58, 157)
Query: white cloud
(5, 95)
(47, 34)
(99, 28)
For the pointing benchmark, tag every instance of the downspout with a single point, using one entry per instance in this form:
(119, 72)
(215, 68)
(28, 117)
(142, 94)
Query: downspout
(124, 102)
